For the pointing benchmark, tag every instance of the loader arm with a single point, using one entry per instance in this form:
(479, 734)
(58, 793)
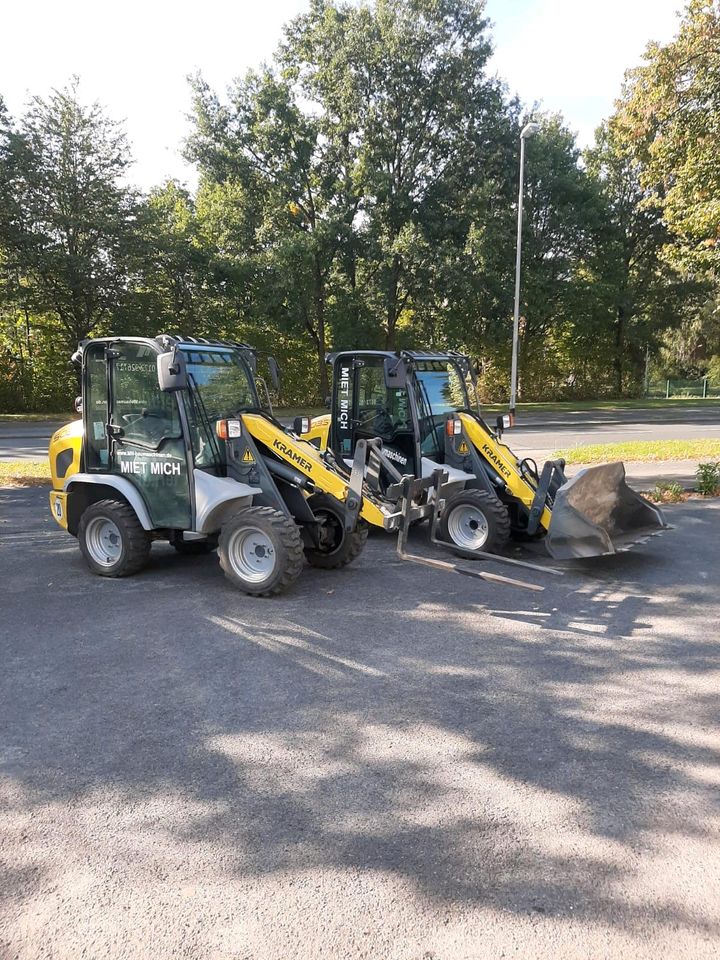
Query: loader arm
(307, 460)
(504, 462)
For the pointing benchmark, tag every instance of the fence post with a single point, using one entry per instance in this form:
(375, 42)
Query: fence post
(705, 380)
(667, 391)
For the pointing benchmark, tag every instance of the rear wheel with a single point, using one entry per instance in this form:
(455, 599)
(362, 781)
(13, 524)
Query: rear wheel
(112, 539)
(337, 547)
(475, 520)
(260, 551)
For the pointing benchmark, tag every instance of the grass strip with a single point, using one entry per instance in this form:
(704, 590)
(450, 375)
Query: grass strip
(642, 451)
(24, 473)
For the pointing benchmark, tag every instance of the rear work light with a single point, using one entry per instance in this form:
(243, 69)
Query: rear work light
(227, 429)
(453, 427)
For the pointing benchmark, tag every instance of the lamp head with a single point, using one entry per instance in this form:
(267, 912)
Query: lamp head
(529, 130)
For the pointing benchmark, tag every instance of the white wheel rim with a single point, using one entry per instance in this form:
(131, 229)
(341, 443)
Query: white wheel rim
(468, 527)
(103, 541)
(252, 554)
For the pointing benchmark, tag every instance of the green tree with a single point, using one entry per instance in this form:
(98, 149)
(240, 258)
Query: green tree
(671, 107)
(406, 81)
(633, 291)
(67, 228)
(370, 148)
(274, 152)
(168, 267)
(562, 228)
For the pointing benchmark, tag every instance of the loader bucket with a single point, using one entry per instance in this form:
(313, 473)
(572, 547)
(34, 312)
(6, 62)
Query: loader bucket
(596, 513)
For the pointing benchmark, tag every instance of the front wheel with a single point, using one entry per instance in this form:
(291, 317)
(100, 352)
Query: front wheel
(336, 546)
(260, 551)
(475, 520)
(112, 539)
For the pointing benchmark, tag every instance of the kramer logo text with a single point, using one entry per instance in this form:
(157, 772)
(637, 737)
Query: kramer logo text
(291, 455)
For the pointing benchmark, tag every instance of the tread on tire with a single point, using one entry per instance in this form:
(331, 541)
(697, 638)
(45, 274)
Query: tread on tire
(287, 544)
(135, 543)
(494, 511)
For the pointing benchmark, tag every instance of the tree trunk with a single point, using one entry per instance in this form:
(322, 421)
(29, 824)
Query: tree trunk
(351, 274)
(392, 305)
(618, 366)
(29, 385)
(320, 344)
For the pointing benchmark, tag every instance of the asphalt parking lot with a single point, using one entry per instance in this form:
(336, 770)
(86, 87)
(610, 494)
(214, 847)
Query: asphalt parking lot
(388, 762)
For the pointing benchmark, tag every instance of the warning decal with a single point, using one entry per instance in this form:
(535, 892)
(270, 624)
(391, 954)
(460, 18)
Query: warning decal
(247, 457)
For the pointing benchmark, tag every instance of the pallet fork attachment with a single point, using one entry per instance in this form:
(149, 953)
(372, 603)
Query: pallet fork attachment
(415, 499)
(409, 492)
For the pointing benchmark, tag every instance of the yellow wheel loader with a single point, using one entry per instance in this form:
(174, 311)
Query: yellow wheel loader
(417, 405)
(173, 445)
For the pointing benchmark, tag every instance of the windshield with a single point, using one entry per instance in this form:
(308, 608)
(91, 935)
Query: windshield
(441, 386)
(223, 380)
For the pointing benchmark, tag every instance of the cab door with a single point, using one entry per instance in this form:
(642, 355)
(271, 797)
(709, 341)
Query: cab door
(382, 411)
(145, 429)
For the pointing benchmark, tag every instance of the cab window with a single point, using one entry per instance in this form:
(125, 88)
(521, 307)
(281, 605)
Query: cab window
(95, 407)
(146, 414)
(222, 386)
(381, 411)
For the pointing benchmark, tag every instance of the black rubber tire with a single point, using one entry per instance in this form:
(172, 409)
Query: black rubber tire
(286, 540)
(494, 511)
(340, 547)
(195, 548)
(135, 543)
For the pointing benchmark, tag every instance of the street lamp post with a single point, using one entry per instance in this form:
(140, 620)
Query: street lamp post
(527, 131)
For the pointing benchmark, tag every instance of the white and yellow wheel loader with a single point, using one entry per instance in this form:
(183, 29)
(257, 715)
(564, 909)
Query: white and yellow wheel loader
(173, 445)
(417, 405)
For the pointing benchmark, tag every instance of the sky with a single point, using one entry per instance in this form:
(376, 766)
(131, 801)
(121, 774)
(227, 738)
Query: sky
(134, 57)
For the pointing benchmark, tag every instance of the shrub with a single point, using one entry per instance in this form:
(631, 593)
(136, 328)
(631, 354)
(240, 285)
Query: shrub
(665, 492)
(707, 479)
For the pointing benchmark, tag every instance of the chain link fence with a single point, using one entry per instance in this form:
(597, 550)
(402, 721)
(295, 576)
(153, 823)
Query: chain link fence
(676, 388)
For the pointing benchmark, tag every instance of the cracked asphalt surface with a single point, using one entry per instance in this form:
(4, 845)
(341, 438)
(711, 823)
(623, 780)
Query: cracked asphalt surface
(388, 762)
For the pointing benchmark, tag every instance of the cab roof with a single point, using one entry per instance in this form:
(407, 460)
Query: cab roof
(164, 341)
(399, 354)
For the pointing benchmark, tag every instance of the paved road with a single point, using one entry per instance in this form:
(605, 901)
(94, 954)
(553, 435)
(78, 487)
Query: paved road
(26, 440)
(540, 433)
(389, 762)
(546, 432)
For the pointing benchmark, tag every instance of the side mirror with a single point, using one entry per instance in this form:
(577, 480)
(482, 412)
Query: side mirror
(78, 404)
(301, 425)
(395, 372)
(274, 370)
(172, 371)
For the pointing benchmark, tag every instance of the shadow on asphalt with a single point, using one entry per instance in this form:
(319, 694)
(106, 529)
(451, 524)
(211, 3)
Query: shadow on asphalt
(383, 717)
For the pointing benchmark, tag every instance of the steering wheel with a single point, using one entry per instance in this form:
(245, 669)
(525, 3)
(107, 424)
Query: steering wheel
(156, 430)
(383, 421)
(144, 415)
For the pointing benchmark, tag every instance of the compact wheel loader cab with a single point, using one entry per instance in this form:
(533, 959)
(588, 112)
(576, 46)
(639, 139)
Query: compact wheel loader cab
(173, 445)
(418, 406)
